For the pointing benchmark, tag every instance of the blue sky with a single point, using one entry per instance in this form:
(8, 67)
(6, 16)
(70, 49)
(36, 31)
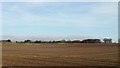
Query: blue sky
(58, 20)
(0, 20)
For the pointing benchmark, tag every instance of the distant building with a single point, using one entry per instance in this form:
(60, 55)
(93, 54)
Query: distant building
(91, 41)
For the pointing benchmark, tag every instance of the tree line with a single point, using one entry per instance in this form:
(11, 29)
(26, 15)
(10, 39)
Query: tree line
(105, 40)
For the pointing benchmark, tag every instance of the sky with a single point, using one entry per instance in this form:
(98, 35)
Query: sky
(0, 20)
(59, 20)
(59, 0)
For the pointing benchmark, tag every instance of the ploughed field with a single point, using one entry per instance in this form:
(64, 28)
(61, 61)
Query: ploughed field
(59, 54)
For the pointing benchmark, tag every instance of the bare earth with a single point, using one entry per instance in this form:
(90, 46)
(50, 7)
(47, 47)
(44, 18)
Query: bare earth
(59, 54)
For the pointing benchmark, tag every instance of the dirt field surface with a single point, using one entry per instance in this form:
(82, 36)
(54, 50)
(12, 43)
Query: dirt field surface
(59, 54)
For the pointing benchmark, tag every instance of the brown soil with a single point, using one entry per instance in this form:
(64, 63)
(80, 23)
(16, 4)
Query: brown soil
(49, 54)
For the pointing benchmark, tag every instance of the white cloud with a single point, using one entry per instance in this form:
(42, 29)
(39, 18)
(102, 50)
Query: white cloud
(86, 20)
(102, 9)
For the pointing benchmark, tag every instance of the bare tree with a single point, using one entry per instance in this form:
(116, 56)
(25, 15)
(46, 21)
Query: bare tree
(107, 40)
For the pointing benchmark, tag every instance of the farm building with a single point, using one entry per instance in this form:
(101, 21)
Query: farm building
(91, 41)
